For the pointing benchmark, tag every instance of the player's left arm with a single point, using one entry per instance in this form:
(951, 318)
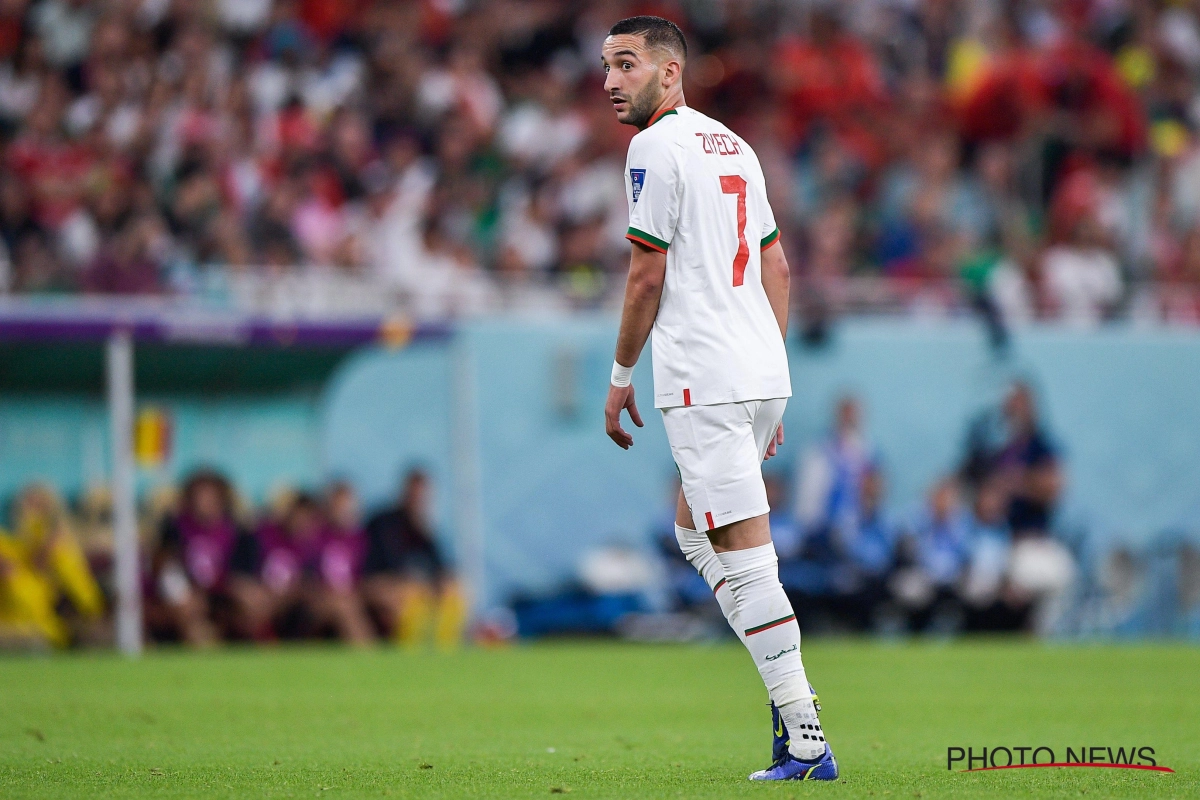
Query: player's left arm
(777, 283)
(643, 292)
(776, 277)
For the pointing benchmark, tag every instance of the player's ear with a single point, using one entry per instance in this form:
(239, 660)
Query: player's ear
(672, 72)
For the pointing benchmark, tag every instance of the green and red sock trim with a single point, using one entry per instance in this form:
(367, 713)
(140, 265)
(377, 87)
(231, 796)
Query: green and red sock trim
(767, 626)
(641, 237)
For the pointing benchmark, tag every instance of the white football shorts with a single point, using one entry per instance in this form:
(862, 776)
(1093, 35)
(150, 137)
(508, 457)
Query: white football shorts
(719, 451)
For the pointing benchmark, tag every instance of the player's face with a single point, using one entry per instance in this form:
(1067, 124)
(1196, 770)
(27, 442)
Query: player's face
(632, 78)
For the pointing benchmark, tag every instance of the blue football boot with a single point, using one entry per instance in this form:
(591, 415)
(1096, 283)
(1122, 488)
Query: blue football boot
(785, 766)
(779, 736)
(791, 768)
(779, 731)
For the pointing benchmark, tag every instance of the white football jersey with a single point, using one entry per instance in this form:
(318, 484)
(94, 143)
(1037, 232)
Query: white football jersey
(696, 192)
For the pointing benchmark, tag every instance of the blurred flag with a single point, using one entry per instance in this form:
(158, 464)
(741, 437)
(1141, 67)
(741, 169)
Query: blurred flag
(152, 437)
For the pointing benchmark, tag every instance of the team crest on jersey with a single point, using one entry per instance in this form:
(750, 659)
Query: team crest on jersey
(637, 177)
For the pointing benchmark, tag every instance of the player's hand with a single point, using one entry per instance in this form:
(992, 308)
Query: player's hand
(620, 397)
(776, 443)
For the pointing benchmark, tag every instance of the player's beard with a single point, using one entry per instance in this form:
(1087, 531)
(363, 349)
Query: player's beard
(642, 107)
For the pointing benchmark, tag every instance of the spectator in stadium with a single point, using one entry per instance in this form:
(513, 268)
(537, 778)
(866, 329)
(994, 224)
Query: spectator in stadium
(990, 605)
(1026, 468)
(837, 574)
(290, 545)
(256, 137)
(204, 559)
(65, 28)
(785, 530)
(931, 212)
(15, 225)
(831, 473)
(1029, 463)
(866, 545)
(93, 518)
(47, 592)
(127, 266)
(335, 595)
(934, 551)
(1043, 569)
(1081, 275)
(830, 77)
(408, 583)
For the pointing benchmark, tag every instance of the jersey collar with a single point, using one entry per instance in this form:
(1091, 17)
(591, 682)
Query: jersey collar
(660, 115)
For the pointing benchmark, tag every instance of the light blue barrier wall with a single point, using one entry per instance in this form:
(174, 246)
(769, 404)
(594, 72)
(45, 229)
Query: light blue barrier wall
(386, 411)
(260, 441)
(553, 484)
(60, 439)
(1123, 403)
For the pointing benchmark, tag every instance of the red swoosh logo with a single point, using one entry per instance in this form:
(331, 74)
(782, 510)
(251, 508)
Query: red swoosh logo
(1067, 764)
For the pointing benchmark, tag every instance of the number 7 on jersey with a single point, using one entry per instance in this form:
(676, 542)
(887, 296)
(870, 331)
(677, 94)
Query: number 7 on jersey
(736, 184)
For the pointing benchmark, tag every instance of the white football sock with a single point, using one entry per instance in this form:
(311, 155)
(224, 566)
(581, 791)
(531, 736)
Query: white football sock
(807, 740)
(772, 636)
(698, 550)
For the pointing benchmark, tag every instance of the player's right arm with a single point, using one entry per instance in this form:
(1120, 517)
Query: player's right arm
(654, 184)
(643, 291)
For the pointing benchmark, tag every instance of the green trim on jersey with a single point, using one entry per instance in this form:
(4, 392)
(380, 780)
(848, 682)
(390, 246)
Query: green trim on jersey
(769, 239)
(666, 113)
(653, 242)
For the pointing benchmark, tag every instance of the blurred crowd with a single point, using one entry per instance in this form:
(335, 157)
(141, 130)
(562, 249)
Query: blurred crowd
(1029, 158)
(978, 554)
(307, 566)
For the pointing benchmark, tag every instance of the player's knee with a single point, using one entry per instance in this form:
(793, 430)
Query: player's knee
(692, 543)
(742, 535)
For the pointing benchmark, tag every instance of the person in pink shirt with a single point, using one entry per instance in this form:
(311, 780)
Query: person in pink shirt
(204, 561)
(310, 562)
(334, 593)
(289, 548)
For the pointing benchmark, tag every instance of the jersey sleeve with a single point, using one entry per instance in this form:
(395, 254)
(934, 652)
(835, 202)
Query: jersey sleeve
(653, 181)
(769, 233)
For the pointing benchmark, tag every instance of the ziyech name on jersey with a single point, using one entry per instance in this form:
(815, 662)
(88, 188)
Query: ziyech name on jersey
(721, 144)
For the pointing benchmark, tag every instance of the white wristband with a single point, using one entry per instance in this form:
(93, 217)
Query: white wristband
(621, 375)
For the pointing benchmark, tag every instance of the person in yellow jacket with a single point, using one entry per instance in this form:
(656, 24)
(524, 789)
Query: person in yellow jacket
(41, 563)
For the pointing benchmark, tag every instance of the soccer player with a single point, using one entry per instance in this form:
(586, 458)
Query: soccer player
(707, 274)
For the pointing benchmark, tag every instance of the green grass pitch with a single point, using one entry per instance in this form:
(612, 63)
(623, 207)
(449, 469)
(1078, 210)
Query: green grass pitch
(585, 719)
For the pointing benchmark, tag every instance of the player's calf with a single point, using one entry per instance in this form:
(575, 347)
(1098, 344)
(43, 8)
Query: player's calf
(698, 550)
(773, 638)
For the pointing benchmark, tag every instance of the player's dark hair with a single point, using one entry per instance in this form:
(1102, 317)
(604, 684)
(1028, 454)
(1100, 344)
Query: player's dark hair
(657, 32)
